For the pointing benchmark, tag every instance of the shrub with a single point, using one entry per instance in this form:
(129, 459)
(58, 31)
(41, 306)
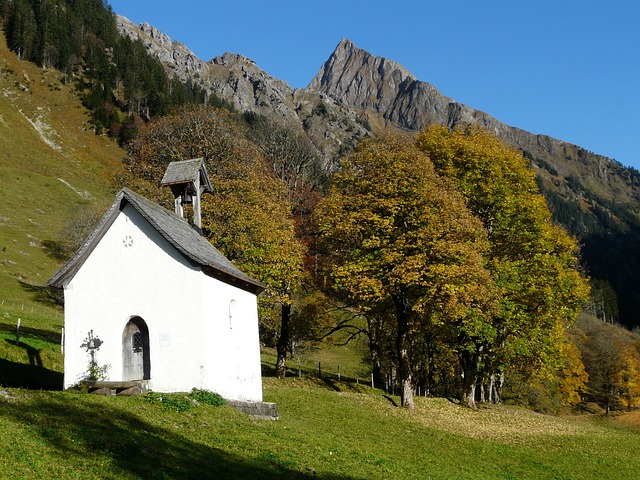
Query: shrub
(180, 402)
(208, 397)
(170, 402)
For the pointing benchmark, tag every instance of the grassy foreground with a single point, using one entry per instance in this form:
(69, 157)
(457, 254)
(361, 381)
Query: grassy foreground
(329, 430)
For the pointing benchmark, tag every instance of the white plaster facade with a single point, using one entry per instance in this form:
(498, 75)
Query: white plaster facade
(202, 330)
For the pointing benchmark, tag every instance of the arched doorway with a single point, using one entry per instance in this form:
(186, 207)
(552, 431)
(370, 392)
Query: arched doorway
(136, 363)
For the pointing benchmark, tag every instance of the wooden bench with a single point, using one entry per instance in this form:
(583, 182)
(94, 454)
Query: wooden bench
(132, 387)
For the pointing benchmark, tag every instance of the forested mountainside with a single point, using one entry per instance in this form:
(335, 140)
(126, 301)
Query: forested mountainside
(118, 81)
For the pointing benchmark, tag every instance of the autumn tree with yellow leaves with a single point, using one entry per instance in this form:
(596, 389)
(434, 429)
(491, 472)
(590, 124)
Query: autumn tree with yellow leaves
(248, 217)
(612, 360)
(533, 262)
(401, 248)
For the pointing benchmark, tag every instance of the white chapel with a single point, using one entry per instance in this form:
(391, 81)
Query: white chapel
(163, 306)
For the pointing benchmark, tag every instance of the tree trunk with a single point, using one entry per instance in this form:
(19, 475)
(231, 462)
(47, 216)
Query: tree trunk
(496, 388)
(431, 365)
(469, 364)
(406, 393)
(492, 386)
(404, 361)
(374, 351)
(283, 340)
(376, 367)
(469, 396)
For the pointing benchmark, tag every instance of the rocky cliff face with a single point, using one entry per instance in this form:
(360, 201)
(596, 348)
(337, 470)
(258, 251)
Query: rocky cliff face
(382, 88)
(237, 79)
(388, 95)
(181, 61)
(361, 80)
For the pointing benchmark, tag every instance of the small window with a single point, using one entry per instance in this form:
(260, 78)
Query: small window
(136, 341)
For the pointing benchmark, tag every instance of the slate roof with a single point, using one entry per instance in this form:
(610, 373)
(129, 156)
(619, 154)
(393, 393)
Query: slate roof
(187, 171)
(174, 229)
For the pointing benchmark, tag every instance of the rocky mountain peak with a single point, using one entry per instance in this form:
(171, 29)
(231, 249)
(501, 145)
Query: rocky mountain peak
(229, 58)
(162, 39)
(358, 78)
(389, 96)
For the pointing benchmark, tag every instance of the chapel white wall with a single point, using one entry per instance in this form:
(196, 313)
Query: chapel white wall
(232, 340)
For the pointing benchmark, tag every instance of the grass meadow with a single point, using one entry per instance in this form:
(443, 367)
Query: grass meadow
(328, 429)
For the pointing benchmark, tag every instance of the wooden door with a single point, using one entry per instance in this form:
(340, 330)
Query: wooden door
(135, 350)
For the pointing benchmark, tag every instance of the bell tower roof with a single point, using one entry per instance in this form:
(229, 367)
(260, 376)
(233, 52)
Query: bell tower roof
(187, 171)
(188, 180)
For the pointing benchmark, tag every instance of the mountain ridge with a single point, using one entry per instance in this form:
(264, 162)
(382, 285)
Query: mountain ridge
(353, 90)
(239, 81)
(399, 100)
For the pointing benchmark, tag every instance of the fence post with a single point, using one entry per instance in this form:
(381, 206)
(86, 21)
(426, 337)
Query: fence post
(338, 372)
(18, 332)
(299, 370)
(319, 371)
(372, 386)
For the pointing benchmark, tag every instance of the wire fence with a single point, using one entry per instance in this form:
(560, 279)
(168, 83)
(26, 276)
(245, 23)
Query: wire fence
(19, 307)
(25, 321)
(333, 373)
(14, 320)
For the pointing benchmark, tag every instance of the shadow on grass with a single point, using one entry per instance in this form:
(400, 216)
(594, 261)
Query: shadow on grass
(32, 353)
(44, 294)
(33, 376)
(86, 433)
(34, 333)
(345, 385)
(56, 250)
(393, 402)
(328, 380)
(268, 369)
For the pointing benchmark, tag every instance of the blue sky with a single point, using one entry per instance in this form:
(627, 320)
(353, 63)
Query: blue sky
(566, 68)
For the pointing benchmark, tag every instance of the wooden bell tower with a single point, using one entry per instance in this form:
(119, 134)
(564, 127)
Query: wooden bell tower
(188, 180)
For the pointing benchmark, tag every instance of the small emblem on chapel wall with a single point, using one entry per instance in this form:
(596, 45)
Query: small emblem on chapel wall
(127, 241)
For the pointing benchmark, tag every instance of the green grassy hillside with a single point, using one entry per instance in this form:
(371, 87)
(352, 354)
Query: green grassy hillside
(52, 167)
